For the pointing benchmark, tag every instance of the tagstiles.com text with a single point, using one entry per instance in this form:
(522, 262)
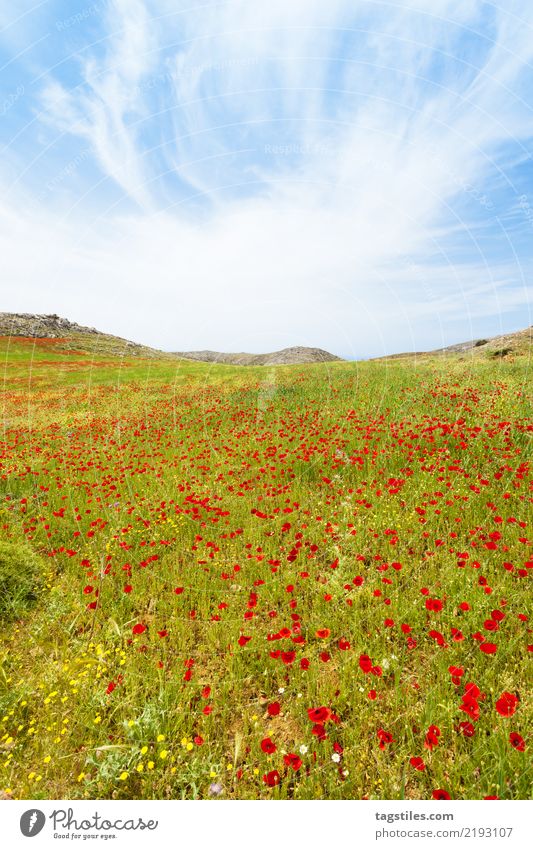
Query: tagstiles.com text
(411, 815)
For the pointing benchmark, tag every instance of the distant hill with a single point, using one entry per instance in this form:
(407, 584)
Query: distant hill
(75, 337)
(508, 344)
(288, 356)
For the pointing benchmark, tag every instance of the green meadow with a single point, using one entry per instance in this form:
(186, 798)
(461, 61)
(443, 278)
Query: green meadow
(289, 582)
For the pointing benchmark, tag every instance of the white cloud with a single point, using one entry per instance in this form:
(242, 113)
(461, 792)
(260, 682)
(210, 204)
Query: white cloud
(346, 222)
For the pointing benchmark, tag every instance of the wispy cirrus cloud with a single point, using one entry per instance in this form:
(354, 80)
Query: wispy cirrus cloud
(102, 108)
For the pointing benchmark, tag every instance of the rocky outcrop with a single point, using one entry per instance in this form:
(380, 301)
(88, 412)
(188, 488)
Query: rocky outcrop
(71, 336)
(36, 326)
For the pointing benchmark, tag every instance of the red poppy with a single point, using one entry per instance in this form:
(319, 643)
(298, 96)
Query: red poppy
(473, 691)
(320, 714)
(418, 764)
(272, 778)
(470, 706)
(268, 746)
(274, 709)
(365, 663)
(384, 737)
(517, 742)
(319, 731)
(488, 648)
(323, 633)
(441, 794)
(438, 637)
(506, 704)
(467, 729)
(139, 628)
(293, 761)
(432, 737)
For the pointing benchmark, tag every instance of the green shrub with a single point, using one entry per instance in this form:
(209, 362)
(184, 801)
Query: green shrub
(21, 574)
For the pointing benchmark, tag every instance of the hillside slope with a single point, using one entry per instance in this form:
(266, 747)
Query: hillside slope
(70, 336)
(518, 343)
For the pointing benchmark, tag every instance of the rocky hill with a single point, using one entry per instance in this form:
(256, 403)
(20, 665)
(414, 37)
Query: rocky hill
(71, 336)
(505, 345)
(287, 356)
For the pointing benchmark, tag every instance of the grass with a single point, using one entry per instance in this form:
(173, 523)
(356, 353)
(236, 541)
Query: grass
(219, 541)
(20, 578)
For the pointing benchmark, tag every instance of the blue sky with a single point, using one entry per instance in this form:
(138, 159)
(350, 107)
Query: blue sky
(246, 175)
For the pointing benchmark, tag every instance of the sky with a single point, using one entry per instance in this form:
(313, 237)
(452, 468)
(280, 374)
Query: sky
(353, 175)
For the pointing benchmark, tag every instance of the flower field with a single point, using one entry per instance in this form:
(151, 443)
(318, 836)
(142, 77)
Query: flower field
(290, 583)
